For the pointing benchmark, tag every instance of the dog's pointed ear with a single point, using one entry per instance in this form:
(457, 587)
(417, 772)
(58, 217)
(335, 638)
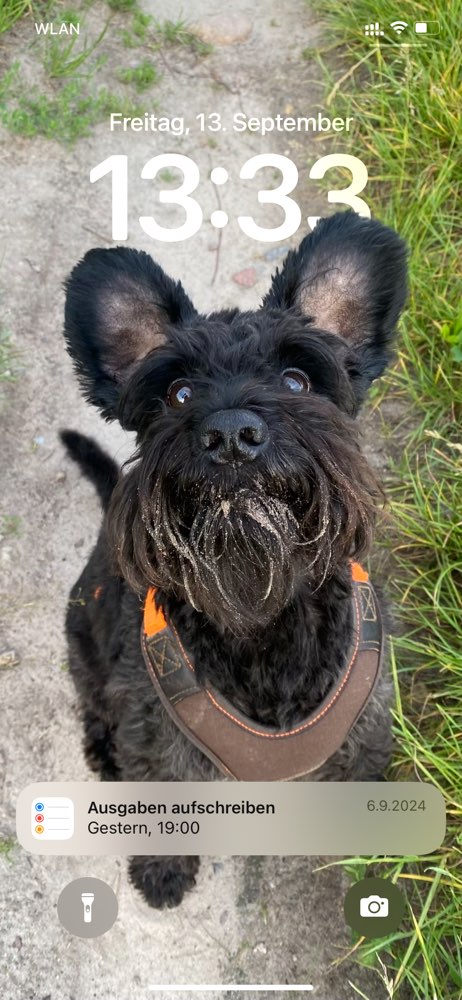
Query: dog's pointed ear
(349, 277)
(119, 307)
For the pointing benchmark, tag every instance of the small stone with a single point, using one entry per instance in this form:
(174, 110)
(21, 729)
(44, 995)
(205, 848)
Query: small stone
(260, 949)
(217, 867)
(247, 277)
(39, 439)
(8, 659)
(17, 943)
(223, 29)
(61, 477)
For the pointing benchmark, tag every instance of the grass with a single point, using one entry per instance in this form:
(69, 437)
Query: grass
(7, 355)
(65, 104)
(148, 30)
(406, 101)
(10, 526)
(138, 33)
(63, 58)
(7, 845)
(179, 33)
(66, 116)
(122, 5)
(142, 77)
(167, 176)
(9, 369)
(11, 11)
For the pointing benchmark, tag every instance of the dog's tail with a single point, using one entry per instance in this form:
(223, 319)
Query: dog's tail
(98, 467)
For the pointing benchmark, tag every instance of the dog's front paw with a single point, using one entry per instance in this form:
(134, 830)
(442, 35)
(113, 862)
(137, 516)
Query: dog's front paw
(164, 880)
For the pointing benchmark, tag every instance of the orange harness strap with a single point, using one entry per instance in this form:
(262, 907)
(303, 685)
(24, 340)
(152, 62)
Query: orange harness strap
(153, 620)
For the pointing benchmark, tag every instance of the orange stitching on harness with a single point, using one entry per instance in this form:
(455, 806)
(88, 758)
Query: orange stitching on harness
(188, 661)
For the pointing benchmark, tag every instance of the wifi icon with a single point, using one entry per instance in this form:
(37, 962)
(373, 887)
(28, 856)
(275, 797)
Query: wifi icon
(398, 26)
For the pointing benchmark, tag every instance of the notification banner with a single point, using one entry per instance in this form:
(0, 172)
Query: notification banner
(226, 818)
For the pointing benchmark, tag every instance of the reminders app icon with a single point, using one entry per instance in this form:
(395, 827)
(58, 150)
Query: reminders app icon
(52, 818)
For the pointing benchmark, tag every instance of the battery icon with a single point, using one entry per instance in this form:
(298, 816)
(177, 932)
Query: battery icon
(426, 28)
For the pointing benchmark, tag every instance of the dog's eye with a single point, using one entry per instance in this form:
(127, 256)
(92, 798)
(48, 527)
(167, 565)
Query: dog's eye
(295, 380)
(178, 393)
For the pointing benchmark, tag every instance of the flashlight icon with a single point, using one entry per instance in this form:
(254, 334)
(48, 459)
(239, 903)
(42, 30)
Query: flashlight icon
(87, 900)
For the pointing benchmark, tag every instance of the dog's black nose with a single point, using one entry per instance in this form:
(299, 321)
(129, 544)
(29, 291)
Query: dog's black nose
(233, 436)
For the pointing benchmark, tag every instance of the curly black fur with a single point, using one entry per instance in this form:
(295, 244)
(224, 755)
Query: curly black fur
(245, 501)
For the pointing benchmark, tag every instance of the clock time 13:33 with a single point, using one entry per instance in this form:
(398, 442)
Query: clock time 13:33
(117, 166)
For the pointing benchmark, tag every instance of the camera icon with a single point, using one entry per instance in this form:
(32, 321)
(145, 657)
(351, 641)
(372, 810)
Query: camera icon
(373, 906)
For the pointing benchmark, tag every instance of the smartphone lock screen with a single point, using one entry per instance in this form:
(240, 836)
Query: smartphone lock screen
(230, 517)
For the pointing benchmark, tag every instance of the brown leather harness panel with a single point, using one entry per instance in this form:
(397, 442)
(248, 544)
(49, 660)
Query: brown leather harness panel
(241, 748)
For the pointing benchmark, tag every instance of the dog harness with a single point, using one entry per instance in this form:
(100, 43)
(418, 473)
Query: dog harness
(241, 748)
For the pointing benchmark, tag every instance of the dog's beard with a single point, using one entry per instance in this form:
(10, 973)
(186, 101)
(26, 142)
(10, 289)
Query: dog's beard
(234, 561)
(239, 555)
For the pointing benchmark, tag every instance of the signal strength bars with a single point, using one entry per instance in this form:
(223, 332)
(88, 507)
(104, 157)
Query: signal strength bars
(373, 30)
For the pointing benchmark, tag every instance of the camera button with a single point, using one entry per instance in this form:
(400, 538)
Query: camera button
(374, 906)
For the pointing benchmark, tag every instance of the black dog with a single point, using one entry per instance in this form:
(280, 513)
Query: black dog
(244, 505)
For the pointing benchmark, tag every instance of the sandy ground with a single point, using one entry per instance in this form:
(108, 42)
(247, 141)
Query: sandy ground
(250, 920)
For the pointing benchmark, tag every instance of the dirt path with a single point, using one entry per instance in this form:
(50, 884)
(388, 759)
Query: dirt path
(258, 919)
